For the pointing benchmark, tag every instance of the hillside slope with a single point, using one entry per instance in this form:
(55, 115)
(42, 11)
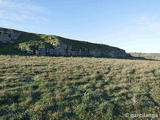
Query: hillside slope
(18, 42)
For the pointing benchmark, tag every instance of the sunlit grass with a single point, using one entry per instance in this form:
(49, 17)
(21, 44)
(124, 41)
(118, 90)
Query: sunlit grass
(35, 88)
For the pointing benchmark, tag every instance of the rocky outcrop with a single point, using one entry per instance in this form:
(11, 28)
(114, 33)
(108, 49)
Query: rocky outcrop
(65, 47)
(64, 50)
(8, 35)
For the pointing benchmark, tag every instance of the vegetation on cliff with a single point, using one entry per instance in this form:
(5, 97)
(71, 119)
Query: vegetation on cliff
(55, 45)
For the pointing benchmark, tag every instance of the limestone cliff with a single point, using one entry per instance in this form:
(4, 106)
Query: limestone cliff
(40, 44)
(8, 35)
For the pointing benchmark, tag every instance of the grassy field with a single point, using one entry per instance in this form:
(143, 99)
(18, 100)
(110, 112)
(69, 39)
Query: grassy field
(68, 88)
(154, 56)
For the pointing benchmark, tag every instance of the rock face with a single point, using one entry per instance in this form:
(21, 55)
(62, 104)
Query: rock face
(8, 35)
(62, 49)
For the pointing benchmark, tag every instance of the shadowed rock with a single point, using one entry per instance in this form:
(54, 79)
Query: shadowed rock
(8, 35)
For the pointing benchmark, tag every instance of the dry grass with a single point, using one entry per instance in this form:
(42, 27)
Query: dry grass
(77, 88)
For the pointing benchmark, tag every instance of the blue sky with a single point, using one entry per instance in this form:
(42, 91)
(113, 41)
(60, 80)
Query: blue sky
(133, 25)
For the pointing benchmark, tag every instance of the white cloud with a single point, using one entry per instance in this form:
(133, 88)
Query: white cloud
(18, 11)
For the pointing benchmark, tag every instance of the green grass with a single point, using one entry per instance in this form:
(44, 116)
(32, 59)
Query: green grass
(35, 41)
(68, 88)
(83, 45)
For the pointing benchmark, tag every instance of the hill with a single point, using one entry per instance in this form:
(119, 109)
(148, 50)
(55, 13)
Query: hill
(78, 88)
(19, 42)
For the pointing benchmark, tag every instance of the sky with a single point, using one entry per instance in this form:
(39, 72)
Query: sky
(133, 25)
